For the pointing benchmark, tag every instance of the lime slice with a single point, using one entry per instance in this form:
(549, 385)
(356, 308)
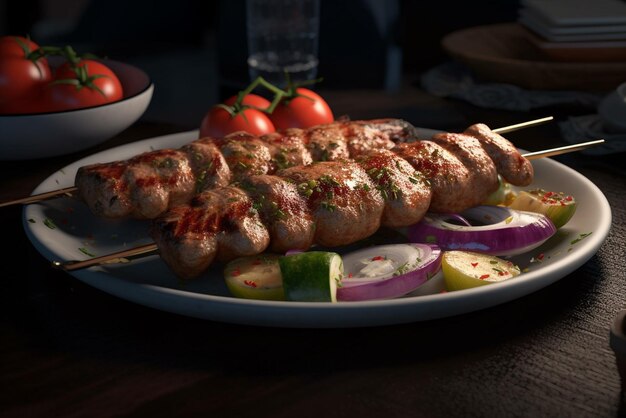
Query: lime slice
(255, 277)
(465, 269)
(311, 276)
(557, 206)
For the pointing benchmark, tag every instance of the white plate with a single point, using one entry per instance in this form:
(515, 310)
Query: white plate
(148, 281)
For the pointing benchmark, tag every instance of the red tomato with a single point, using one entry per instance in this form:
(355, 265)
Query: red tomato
(21, 79)
(250, 100)
(303, 111)
(218, 122)
(98, 86)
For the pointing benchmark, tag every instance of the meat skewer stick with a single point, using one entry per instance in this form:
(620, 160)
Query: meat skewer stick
(150, 248)
(69, 190)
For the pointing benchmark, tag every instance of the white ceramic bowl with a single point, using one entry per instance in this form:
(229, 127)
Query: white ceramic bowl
(612, 110)
(51, 134)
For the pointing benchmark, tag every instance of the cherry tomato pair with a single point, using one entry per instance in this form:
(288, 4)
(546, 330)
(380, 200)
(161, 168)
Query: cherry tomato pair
(28, 85)
(304, 110)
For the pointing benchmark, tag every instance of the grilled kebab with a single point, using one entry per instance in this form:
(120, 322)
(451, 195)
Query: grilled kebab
(332, 201)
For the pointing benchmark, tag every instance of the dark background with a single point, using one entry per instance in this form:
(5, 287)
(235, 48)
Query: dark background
(196, 51)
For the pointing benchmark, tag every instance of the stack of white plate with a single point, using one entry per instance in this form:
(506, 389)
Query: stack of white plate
(575, 20)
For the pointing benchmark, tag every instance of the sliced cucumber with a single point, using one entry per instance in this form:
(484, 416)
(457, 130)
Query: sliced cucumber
(255, 277)
(465, 269)
(311, 276)
(557, 206)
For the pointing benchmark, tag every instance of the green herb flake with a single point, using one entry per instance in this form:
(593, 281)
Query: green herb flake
(404, 268)
(86, 252)
(580, 238)
(32, 221)
(48, 222)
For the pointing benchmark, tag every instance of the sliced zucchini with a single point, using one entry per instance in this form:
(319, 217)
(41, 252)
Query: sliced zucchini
(255, 277)
(503, 196)
(311, 276)
(557, 206)
(465, 269)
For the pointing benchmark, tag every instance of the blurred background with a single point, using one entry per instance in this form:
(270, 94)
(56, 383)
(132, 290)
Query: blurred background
(196, 51)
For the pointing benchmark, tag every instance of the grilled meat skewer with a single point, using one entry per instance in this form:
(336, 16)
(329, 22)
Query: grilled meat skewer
(147, 185)
(333, 203)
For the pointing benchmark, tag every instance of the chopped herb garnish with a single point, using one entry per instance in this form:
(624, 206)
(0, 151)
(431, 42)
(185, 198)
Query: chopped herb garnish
(86, 252)
(580, 238)
(32, 221)
(48, 222)
(328, 206)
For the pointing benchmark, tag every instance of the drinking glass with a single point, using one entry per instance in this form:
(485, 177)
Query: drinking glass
(282, 37)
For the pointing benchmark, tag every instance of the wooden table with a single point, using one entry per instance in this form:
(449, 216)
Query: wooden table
(70, 350)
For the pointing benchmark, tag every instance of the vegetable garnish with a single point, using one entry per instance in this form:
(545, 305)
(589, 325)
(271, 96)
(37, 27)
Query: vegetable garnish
(86, 252)
(495, 230)
(485, 269)
(255, 277)
(503, 196)
(311, 276)
(559, 207)
(49, 223)
(387, 271)
(580, 238)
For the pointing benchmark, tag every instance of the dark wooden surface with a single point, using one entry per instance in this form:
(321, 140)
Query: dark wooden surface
(69, 350)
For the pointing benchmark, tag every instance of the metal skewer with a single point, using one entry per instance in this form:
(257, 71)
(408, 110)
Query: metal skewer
(69, 190)
(150, 248)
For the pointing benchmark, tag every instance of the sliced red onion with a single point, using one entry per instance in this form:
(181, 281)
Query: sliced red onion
(292, 252)
(387, 271)
(497, 231)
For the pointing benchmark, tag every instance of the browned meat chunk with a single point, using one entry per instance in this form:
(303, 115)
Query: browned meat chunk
(448, 177)
(344, 201)
(510, 163)
(103, 187)
(187, 235)
(218, 224)
(483, 179)
(288, 149)
(143, 187)
(406, 192)
(242, 232)
(208, 164)
(326, 142)
(283, 211)
(245, 154)
(366, 136)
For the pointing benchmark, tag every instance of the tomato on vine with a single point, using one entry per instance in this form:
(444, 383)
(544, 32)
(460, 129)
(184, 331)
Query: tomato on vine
(23, 73)
(301, 108)
(245, 111)
(222, 120)
(86, 83)
(297, 107)
(250, 99)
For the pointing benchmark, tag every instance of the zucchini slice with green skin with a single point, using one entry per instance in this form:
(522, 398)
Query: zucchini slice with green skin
(311, 276)
(255, 277)
(557, 206)
(466, 269)
(503, 196)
